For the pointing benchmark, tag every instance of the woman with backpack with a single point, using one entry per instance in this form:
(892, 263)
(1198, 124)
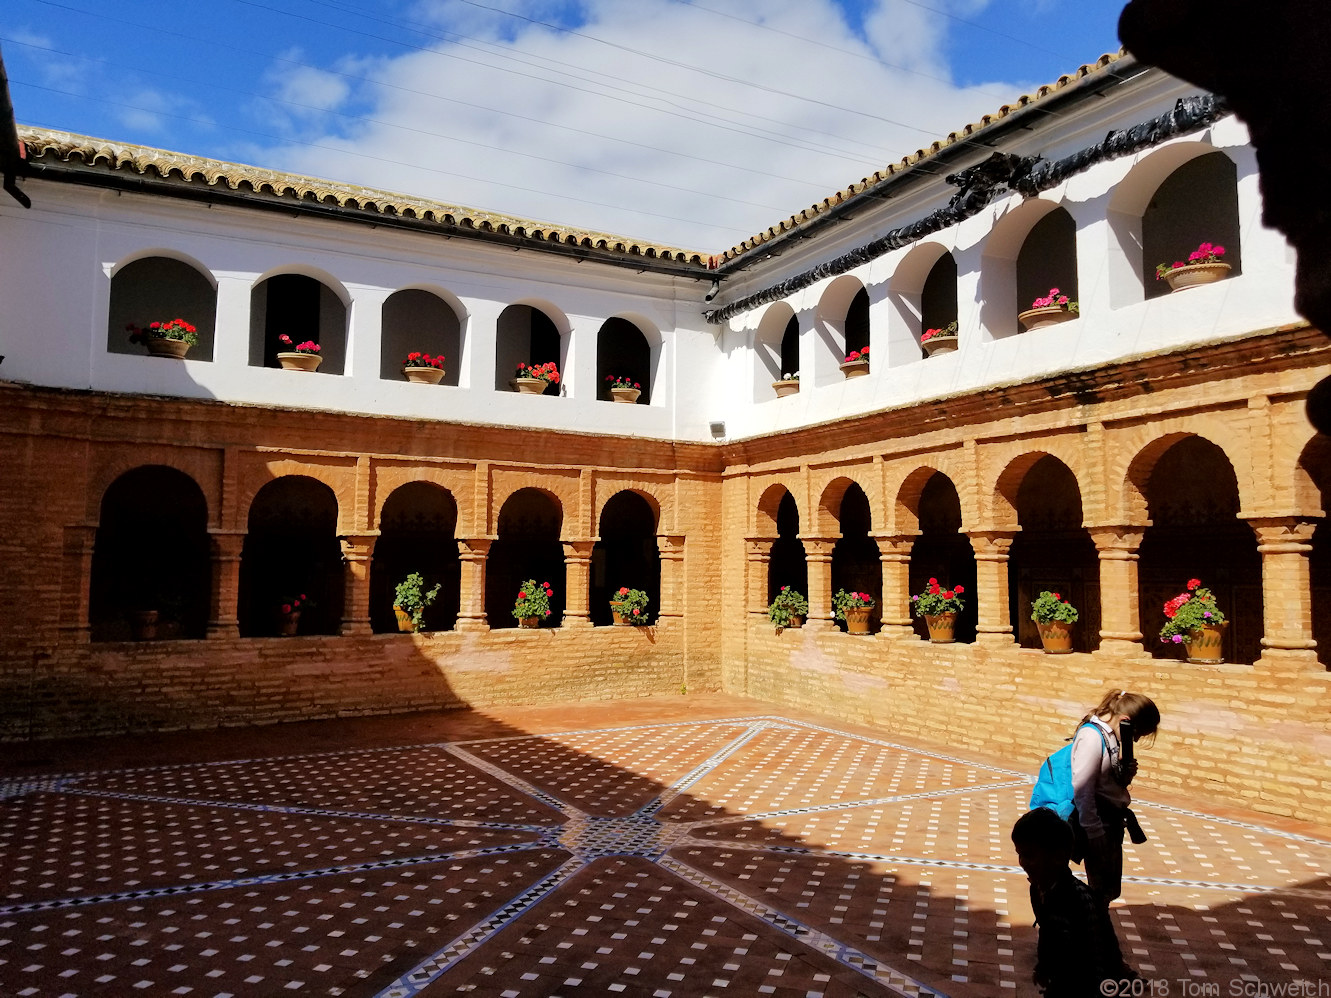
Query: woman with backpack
(1101, 772)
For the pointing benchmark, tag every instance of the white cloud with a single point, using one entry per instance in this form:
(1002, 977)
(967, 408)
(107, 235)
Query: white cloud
(661, 120)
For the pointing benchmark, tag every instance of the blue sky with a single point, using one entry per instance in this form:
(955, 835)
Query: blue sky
(693, 123)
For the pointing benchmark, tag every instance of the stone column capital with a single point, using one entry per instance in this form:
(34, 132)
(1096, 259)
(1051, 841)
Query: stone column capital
(1117, 540)
(818, 548)
(474, 548)
(1283, 534)
(894, 547)
(991, 545)
(578, 549)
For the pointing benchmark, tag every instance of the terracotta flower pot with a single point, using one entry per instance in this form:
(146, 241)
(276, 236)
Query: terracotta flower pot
(294, 361)
(784, 388)
(857, 619)
(143, 625)
(629, 395)
(855, 368)
(1056, 636)
(942, 627)
(404, 623)
(796, 620)
(288, 623)
(939, 344)
(530, 386)
(163, 347)
(1195, 274)
(1204, 646)
(424, 375)
(1049, 315)
(529, 622)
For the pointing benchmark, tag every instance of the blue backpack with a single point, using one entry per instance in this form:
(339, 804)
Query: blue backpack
(1053, 787)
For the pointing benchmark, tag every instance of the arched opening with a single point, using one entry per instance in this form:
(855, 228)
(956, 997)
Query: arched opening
(417, 531)
(938, 298)
(625, 555)
(1053, 552)
(1315, 464)
(786, 565)
(158, 288)
(942, 552)
(1198, 202)
(855, 563)
(416, 321)
(290, 549)
(1193, 503)
(525, 335)
(300, 308)
(150, 553)
(790, 347)
(623, 352)
(857, 322)
(1048, 259)
(768, 355)
(527, 547)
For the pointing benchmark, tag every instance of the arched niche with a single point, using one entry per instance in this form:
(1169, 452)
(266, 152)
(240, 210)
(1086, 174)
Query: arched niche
(622, 351)
(1198, 202)
(417, 533)
(302, 307)
(531, 335)
(527, 546)
(626, 554)
(156, 289)
(775, 349)
(787, 565)
(941, 551)
(291, 548)
(923, 290)
(150, 553)
(841, 325)
(1032, 249)
(420, 321)
(856, 566)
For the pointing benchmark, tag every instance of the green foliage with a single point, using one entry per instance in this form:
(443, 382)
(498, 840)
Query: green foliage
(1190, 611)
(936, 599)
(788, 603)
(631, 604)
(533, 600)
(843, 600)
(412, 597)
(1051, 606)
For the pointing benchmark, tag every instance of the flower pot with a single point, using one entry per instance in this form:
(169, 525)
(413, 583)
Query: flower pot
(784, 388)
(143, 625)
(163, 347)
(288, 623)
(796, 620)
(1050, 315)
(1056, 636)
(942, 627)
(404, 623)
(1195, 274)
(293, 361)
(424, 375)
(529, 622)
(530, 386)
(629, 395)
(857, 619)
(624, 617)
(939, 344)
(1204, 645)
(855, 368)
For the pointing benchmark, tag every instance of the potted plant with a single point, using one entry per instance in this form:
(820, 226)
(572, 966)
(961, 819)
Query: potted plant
(410, 600)
(788, 385)
(288, 613)
(1203, 266)
(423, 369)
(856, 364)
(1054, 617)
(623, 389)
(788, 609)
(854, 609)
(172, 338)
(533, 603)
(943, 340)
(298, 356)
(1049, 310)
(534, 379)
(939, 608)
(1193, 620)
(629, 606)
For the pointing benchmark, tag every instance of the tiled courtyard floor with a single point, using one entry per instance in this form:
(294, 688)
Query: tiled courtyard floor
(674, 847)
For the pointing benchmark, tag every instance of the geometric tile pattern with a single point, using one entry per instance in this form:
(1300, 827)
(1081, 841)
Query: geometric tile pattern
(754, 855)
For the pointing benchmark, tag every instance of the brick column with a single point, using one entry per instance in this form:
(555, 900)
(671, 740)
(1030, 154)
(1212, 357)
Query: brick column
(1284, 543)
(577, 578)
(75, 583)
(1120, 618)
(224, 596)
(894, 553)
(671, 548)
(991, 562)
(818, 556)
(757, 556)
(472, 552)
(357, 550)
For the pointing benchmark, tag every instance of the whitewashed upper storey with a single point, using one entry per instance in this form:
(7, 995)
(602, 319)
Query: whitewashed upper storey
(69, 279)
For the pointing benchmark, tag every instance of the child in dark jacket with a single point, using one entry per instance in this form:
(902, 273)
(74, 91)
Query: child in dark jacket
(1077, 948)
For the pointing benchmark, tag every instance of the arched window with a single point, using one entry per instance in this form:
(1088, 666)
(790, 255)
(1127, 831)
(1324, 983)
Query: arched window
(156, 289)
(938, 297)
(300, 308)
(855, 563)
(1198, 202)
(150, 558)
(623, 352)
(790, 347)
(291, 549)
(417, 534)
(416, 321)
(525, 335)
(527, 547)
(1048, 259)
(787, 566)
(942, 552)
(625, 555)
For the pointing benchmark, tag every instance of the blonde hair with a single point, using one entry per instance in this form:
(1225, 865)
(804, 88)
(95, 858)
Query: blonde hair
(1136, 707)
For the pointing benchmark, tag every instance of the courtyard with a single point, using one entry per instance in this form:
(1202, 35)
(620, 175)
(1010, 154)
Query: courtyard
(703, 845)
